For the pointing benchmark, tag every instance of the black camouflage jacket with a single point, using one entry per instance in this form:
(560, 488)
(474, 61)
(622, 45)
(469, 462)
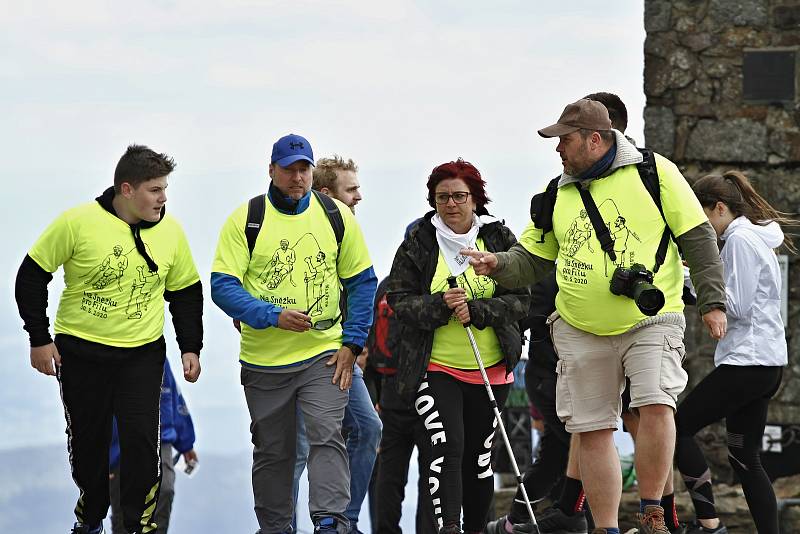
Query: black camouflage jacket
(419, 312)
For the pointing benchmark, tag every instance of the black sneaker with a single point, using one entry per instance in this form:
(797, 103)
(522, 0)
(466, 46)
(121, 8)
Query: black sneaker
(696, 528)
(554, 521)
(525, 528)
(498, 526)
(326, 525)
(80, 528)
(680, 529)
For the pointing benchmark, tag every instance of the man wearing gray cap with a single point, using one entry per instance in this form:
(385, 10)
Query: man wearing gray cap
(619, 310)
(279, 264)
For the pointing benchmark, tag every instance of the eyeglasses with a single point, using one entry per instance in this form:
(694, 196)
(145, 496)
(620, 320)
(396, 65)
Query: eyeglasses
(324, 324)
(459, 197)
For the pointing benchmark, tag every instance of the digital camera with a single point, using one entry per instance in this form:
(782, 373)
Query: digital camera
(636, 282)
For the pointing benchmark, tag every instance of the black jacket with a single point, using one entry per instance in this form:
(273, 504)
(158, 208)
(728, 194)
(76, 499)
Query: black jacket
(542, 357)
(420, 313)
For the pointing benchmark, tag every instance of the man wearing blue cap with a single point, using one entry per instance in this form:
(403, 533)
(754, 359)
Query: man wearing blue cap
(296, 352)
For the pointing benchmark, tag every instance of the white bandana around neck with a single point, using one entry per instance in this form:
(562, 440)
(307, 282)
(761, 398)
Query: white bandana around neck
(451, 243)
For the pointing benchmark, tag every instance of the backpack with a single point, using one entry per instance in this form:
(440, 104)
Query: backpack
(380, 355)
(256, 208)
(542, 204)
(255, 218)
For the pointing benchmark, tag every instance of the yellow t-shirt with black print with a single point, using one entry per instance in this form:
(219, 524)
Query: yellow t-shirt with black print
(111, 296)
(295, 265)
(451, 346)
(584, 271)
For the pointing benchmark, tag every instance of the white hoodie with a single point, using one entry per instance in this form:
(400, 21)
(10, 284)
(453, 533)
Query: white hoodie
(753, 286)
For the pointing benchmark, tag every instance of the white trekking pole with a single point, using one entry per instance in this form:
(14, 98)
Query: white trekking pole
(451, 282)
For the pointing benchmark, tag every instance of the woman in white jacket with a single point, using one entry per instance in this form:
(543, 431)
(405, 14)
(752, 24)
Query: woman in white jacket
(749, 359)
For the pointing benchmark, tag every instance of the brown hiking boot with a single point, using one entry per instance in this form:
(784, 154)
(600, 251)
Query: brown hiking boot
(652, 521)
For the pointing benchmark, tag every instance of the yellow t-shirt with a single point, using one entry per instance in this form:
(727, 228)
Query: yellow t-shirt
(111, 296)
(295, 265)
(584, 271)
(451, 346)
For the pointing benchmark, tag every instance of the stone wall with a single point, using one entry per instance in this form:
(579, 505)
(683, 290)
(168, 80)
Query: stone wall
(696, 116)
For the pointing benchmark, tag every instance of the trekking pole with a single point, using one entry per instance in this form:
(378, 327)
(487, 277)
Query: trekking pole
(451, 282)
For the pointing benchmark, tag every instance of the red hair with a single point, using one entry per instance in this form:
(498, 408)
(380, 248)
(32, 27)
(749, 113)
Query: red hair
(465, 171)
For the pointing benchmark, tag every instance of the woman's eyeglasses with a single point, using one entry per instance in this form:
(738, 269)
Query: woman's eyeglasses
(459, 197)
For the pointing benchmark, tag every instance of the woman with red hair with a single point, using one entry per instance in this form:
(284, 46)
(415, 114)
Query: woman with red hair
(436, 365)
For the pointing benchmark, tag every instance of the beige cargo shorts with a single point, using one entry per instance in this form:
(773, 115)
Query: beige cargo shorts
(592, 369)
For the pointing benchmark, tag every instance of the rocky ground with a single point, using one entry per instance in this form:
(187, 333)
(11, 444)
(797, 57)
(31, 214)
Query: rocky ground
(731, 506)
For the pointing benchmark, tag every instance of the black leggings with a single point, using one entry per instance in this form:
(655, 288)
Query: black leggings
(740, 395)
(543, 475)
(460, 424)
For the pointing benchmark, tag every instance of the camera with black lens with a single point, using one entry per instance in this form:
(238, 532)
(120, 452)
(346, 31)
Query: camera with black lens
(636, 282)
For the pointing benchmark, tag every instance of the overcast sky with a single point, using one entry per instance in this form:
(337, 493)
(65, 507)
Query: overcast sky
(398, 86)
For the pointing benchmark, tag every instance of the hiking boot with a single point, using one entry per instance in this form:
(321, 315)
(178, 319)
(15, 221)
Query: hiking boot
(80, 528)
(554, 521)
(696, 528)
(651, 521)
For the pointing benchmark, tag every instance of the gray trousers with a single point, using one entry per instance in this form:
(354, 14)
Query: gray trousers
(272, 399)
(165, 495)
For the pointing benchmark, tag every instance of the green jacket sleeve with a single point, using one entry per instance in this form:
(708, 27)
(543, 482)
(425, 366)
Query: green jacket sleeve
(518, 267)
(507, 305)
(699, 246)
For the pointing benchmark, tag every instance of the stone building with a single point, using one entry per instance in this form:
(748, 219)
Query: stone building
(722, 83)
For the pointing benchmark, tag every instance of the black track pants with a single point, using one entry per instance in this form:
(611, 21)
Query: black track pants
(460, 423)
(740, 395)
(98, 382)
(402, 431)
(551, 461)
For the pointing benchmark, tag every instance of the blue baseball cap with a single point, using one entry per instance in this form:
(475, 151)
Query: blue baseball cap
(291, 148)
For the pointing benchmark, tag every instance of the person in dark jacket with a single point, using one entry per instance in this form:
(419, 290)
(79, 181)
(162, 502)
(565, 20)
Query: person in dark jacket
(177, 434)
(403, 430)
(547, 475)
(435, 361)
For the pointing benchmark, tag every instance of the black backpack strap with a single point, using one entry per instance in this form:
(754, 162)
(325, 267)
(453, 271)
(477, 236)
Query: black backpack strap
(648, 172)
(255, 218)
(334, 215)
(542, 205)
(600, 228)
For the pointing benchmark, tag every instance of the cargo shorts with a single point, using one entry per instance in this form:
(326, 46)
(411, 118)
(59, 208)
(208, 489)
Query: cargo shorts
(591, 372)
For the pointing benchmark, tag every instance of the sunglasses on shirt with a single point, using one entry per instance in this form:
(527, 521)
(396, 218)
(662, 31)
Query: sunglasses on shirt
(324, 324)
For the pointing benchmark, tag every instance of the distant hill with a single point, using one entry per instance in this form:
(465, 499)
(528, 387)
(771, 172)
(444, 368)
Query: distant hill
(37, 495)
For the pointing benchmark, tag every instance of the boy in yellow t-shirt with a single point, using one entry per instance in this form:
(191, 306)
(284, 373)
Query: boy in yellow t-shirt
(122, 258)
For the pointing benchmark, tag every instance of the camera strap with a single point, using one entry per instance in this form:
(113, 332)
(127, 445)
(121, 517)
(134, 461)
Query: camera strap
(600, 228)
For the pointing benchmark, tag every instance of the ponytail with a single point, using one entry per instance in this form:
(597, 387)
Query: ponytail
(735, 191)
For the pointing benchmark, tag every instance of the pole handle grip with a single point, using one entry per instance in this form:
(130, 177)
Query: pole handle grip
(452, 284)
